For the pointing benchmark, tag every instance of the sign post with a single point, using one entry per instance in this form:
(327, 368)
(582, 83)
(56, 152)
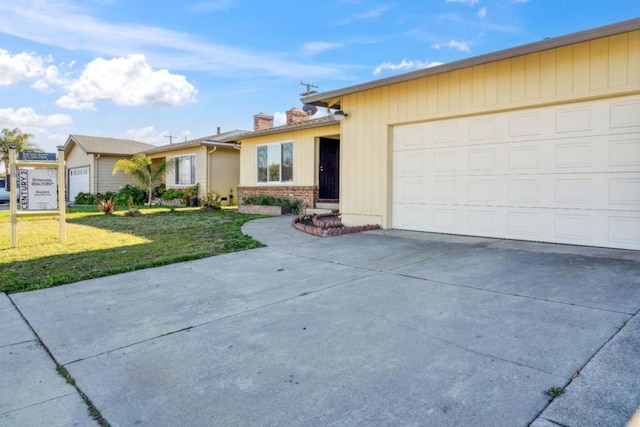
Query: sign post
(42, 188)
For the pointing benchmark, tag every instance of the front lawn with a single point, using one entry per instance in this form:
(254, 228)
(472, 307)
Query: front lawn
(101, 245)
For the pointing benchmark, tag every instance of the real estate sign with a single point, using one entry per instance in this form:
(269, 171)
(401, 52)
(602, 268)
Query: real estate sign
(38, 189)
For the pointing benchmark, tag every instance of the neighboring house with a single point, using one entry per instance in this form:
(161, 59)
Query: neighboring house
(299, 160)
(89, 163)
(212, 162)
(539, 142)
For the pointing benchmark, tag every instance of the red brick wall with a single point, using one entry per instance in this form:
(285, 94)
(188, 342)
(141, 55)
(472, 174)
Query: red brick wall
(262, 121)
(306, 194)
(296, 115)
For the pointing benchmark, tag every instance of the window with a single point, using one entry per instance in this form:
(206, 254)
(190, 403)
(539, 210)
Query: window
(186, 170)
(275, 162)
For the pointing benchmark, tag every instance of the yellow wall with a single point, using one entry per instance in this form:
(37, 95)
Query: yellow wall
(201, 166)
(224, 172)
(604, 67)
(304, 154)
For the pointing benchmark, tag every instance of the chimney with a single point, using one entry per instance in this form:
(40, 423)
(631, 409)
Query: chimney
(262, 121)
(218, 130)
(296, 115)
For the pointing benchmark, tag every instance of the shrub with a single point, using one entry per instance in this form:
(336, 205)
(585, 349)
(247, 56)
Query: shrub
(106, 206)
(85, 199)
(159, 190)
(133, 212)
(107, 195)
(173, 193)
(289, 206)
(130, 195)
(211, 200)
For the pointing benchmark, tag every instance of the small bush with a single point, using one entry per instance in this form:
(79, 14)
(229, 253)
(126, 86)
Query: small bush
(106, 206)
(289, 206)
(133, 212)
(159, 190)
(211, 200)
(85, 199)
(173, 193)
(130, 195)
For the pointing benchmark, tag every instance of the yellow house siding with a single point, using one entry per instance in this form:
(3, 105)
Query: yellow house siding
(605, 67)
(224, 172)
(304, 153)
(201, 166)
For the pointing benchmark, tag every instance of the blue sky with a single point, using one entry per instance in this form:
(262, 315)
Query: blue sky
(143, 69)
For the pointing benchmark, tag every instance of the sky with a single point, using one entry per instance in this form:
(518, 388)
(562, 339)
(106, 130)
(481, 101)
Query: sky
(146, 70)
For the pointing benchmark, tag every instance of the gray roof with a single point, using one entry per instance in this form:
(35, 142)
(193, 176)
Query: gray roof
(218, 140)
(307, 124)
(101, 145)
(333, 97)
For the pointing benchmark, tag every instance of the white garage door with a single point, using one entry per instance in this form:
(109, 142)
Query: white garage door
(78, 181)
(565, 174)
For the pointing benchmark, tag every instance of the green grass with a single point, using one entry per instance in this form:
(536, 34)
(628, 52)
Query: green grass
(101, 245)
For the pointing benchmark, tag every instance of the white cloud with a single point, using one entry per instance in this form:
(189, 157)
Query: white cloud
(147, 134)
(404, 65)
(25, 117)
(482, 13)
(126, 81)
(313, 48)
(279, 119)
(453, 44)
(469, 2)
(36, 21)
(27, 66)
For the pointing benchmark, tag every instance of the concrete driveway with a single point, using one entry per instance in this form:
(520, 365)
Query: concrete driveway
(376, 328)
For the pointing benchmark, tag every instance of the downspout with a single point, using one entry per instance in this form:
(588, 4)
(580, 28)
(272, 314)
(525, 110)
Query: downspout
(209, 174)
(97, 173)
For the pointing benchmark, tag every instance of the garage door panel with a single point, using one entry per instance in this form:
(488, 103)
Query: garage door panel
(624, 230)
(78, 181)
(625, 114)
(566, 174)
(623, 153)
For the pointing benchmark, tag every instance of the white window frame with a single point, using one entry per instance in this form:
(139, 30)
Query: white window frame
(192, 171)
(274, 147)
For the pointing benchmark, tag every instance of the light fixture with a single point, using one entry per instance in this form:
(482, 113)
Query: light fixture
(340, 115)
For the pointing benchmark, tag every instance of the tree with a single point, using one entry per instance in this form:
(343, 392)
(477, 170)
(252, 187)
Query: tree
(14, 137)
(142, 168)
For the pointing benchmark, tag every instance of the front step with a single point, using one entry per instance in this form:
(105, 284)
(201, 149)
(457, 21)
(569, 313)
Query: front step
(328, 206)
(318, 211)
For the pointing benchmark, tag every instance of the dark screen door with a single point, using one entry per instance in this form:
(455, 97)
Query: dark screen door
(329, 169)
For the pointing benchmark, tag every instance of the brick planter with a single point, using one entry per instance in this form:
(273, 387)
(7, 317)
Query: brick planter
(260, 209)
(329, 225)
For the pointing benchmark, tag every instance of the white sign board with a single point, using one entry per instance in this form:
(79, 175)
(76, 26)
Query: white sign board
(38, 189)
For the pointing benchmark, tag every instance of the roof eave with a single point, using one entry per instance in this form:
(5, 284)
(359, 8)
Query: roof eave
(321, 99)
(282, 129)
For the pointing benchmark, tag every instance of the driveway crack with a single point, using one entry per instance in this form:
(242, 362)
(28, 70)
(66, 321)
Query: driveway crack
(454, 344)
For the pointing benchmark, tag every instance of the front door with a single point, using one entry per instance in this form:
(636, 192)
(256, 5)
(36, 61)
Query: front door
(329, 178)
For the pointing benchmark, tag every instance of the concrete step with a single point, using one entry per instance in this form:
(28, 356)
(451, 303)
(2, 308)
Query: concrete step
(311, 211)
(329, 206)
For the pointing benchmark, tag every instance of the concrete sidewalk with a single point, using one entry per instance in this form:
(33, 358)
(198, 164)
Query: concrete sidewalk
(376, 328)
(33, 394)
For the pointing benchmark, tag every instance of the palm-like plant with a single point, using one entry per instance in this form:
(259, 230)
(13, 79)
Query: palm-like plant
(14, 137)
(143, 169)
